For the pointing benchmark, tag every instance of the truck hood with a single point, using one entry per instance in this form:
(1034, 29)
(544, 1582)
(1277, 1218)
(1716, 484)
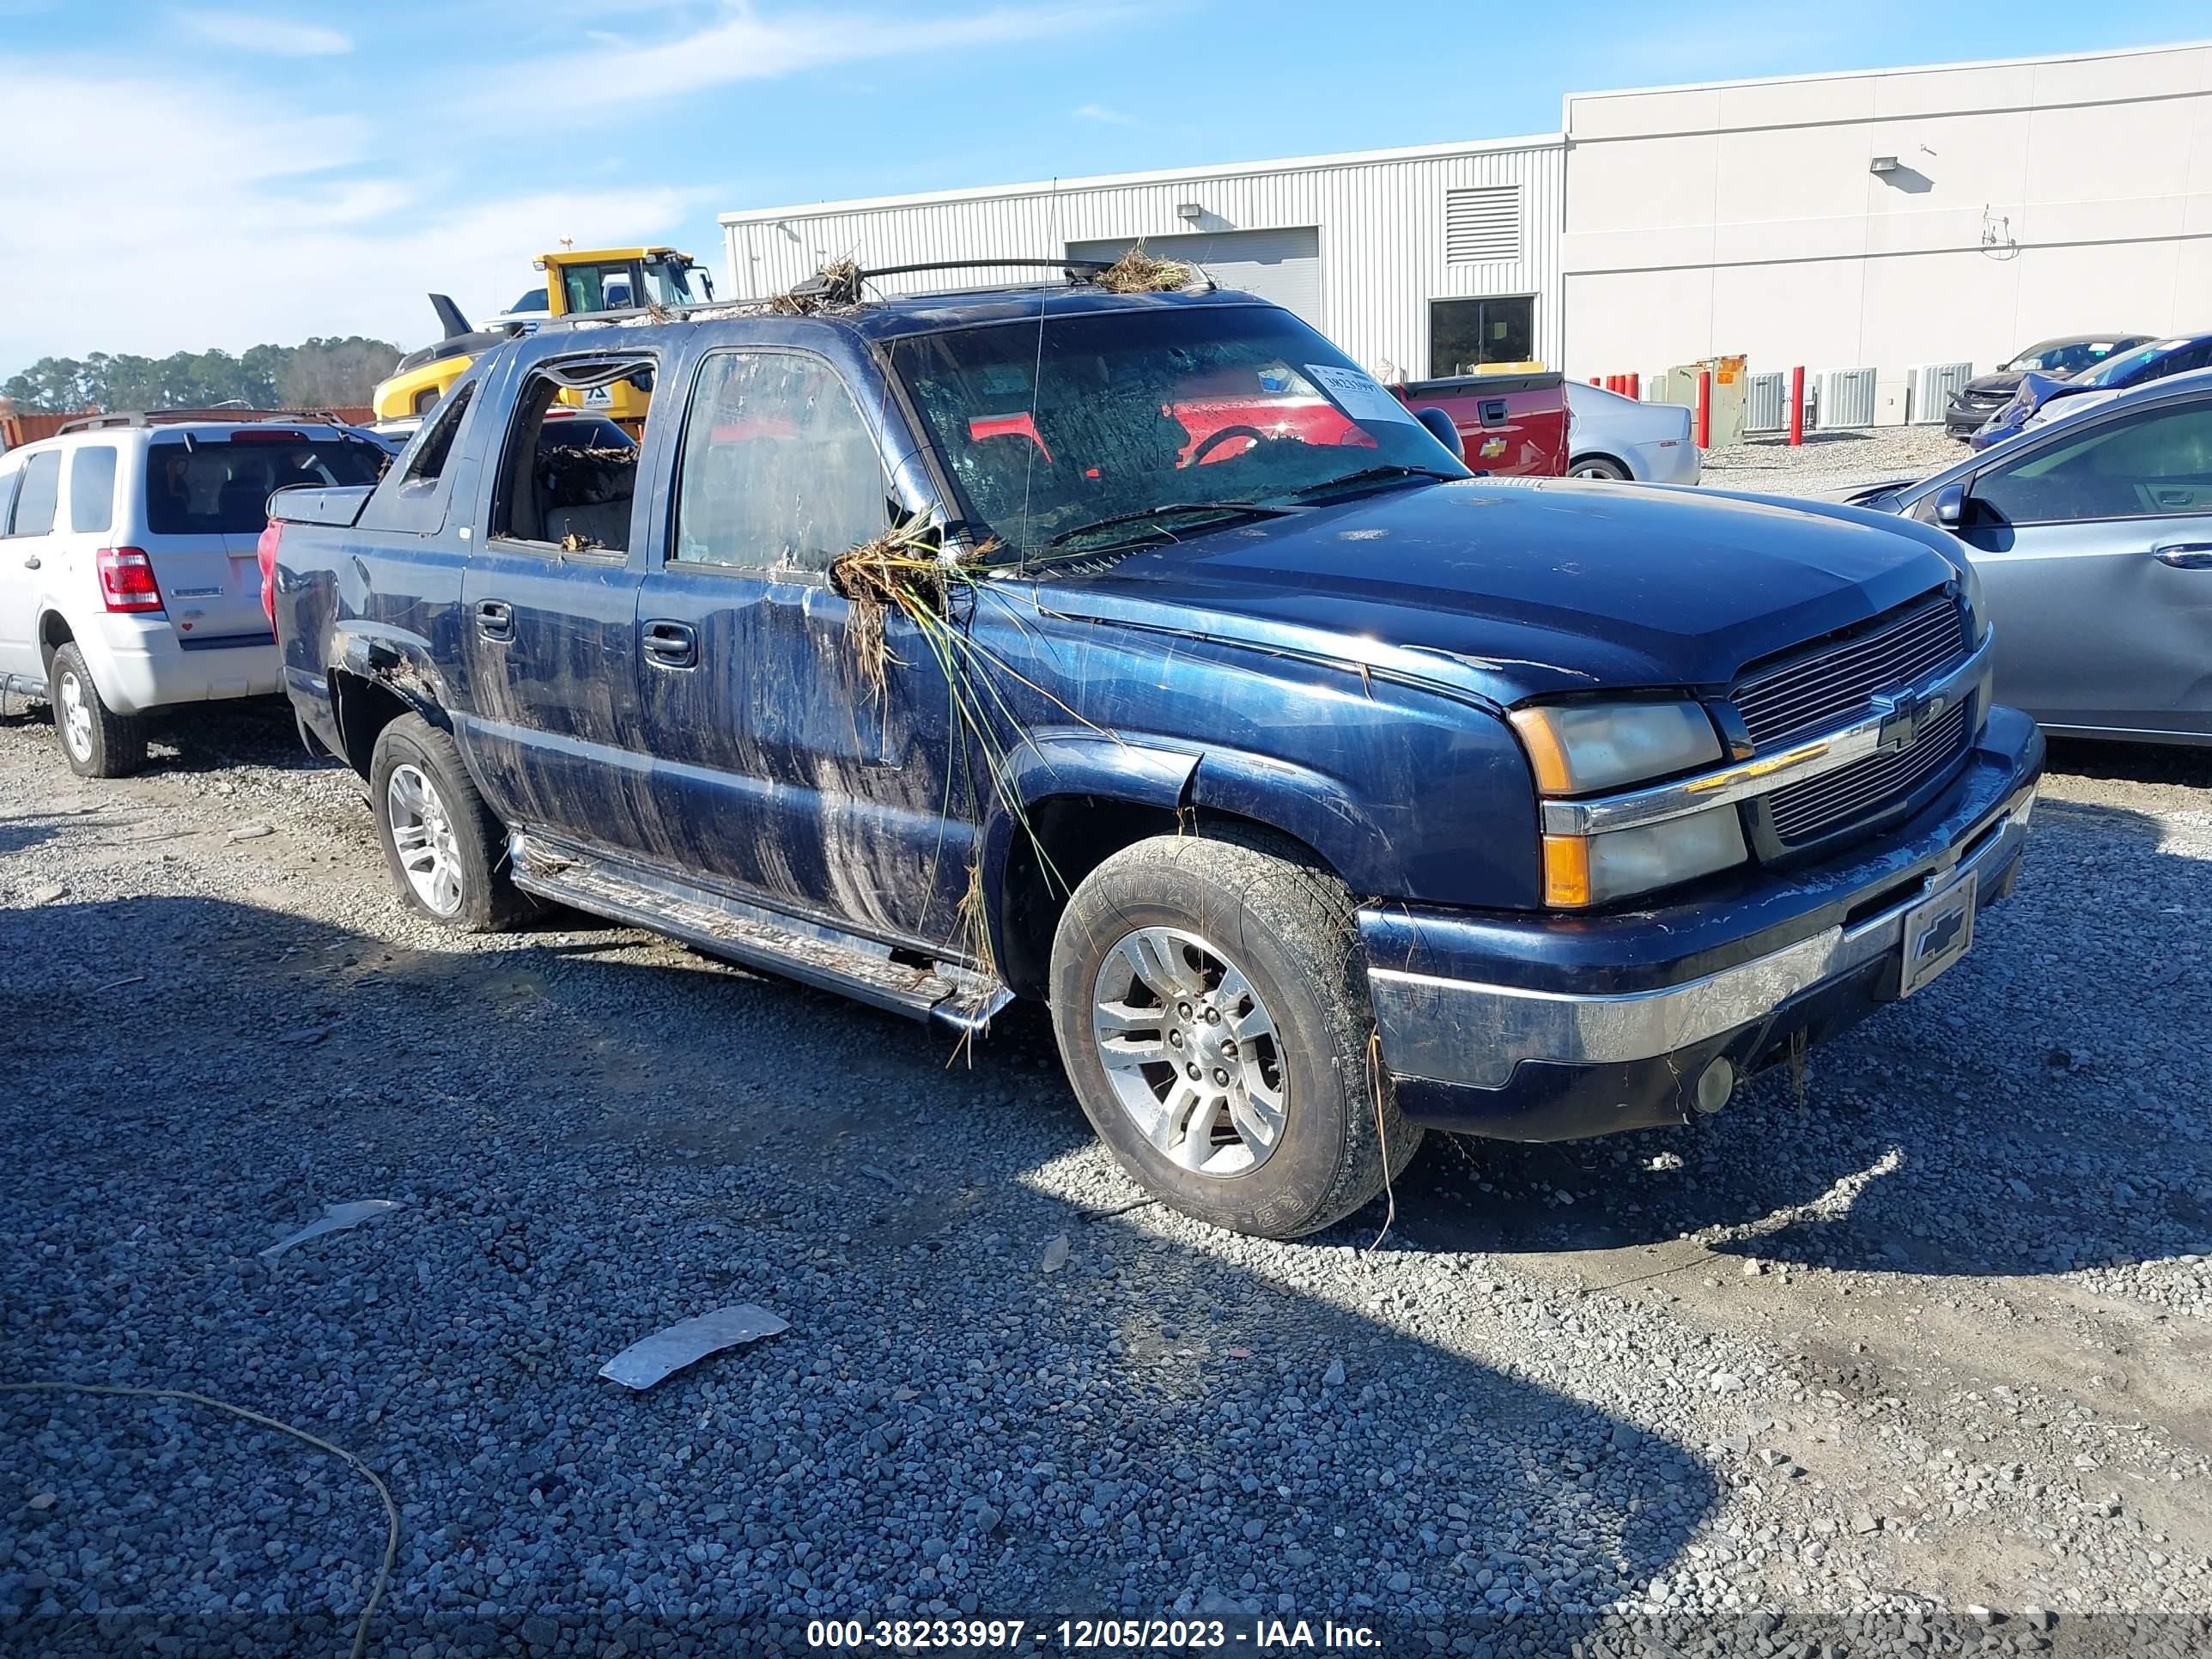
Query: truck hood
(1509, 589)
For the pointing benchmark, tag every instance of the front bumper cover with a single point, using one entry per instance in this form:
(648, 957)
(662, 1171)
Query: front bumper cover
(1520, 1051)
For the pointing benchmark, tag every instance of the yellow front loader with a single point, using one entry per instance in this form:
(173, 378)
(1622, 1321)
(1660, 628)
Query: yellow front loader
(577, 280)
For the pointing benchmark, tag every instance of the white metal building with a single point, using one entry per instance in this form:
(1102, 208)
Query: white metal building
(1883, 219)
(1391, 253)
(1890, 218)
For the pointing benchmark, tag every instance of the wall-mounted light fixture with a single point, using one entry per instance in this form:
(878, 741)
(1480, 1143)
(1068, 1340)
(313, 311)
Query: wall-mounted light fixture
(1882, 164)
(1188, 212)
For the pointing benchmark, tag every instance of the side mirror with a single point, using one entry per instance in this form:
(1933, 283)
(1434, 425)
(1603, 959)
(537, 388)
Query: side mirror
(1951, 506)
(1442, 429)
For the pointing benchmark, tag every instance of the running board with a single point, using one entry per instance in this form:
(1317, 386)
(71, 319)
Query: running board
(955, 999)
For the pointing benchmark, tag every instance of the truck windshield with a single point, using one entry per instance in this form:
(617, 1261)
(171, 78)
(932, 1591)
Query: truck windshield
(1105, 415)
(217, 487)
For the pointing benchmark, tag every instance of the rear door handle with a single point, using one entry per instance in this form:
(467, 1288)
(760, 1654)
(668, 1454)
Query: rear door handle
(495, 620)
(2185, 556)
(31, 563)
(671, 645)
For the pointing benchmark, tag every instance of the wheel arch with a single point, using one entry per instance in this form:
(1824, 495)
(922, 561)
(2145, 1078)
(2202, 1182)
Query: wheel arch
(1085, 797)
(1583, 457)
(54, 633)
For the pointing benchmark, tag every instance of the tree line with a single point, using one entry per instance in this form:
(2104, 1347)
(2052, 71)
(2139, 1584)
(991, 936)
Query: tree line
(316, 374)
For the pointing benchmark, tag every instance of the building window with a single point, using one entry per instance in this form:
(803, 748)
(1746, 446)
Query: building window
(1467, 335)
(1483, 224)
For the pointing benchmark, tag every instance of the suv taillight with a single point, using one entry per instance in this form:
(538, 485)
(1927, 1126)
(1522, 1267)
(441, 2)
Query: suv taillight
(265, 553)
(126, 578)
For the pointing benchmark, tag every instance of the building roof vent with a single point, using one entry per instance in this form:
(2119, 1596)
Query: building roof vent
(1482, 224)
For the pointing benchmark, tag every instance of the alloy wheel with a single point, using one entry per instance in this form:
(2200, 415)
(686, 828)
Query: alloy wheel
(429, 852)
(1190, 1051)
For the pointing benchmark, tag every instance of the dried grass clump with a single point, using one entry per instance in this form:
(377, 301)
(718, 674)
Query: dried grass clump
(1139, 272)
(901, 569)
(833, 288)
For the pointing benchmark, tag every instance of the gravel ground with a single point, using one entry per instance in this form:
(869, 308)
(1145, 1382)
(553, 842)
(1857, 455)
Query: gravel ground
(1832, 460)
(1918, 1364)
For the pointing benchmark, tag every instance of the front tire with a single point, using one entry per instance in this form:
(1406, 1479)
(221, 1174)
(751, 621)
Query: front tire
(447, 850)
(1211, 1005)
(96, 741)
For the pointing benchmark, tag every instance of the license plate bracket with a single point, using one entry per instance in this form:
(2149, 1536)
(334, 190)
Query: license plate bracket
(1937, 931)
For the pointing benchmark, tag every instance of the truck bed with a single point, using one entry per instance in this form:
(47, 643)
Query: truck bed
(1512, 425)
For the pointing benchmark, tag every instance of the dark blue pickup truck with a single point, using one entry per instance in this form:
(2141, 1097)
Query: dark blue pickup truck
(1140, 654)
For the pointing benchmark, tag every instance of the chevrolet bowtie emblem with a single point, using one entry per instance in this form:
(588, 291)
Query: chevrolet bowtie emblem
(1904, 717)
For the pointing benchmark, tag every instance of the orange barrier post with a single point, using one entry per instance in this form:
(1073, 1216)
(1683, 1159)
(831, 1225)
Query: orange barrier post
(1704, 409)
(1796, 406)
(1636, 386)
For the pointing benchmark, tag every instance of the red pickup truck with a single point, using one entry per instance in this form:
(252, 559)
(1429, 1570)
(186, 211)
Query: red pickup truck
(1511, 425)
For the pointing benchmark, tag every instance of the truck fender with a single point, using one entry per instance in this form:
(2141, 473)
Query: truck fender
(402, 665)
(1075, 760)
(1307, 805)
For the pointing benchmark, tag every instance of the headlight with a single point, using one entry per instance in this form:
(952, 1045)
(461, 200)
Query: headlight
(1970, 590)
(1580, 749)
(1585, 870)
(1576, 747)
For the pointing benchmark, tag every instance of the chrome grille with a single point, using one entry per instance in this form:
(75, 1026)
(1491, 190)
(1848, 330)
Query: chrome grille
(1834, 683)
(1806, 812)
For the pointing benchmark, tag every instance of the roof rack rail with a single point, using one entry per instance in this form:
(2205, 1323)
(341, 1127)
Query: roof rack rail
(840, 288)
(843, 286)
(175, 416)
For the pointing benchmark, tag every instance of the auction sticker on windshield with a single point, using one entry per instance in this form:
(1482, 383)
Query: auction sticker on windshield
(1358, 395)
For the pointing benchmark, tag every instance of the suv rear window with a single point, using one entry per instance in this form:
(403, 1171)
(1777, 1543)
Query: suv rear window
(221, 487)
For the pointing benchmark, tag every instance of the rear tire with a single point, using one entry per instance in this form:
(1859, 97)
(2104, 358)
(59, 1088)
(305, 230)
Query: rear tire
(96, 741)
(446, 851)
(1599, 466)
(1255, 1113)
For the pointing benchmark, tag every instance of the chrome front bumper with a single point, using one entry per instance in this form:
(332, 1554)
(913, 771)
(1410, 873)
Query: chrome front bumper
(1471, 1033)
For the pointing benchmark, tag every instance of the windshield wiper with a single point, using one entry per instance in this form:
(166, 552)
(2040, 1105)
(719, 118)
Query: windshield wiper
(1171, 510)
(1371, 474)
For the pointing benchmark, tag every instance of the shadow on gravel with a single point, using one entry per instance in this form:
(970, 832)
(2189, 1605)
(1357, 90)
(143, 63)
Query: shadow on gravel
(2133, 762)
(588, 1147)
(216, 736)
(2037, 1110)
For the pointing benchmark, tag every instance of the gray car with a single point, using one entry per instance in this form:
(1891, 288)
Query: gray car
(2093, 538)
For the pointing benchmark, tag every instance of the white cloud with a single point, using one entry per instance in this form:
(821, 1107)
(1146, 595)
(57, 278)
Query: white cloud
(1100, 112)
(276, 37)
(252, 225)
(742, 45)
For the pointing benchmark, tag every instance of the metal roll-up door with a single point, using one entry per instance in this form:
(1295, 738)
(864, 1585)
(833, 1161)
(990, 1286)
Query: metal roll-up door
(1281, 265)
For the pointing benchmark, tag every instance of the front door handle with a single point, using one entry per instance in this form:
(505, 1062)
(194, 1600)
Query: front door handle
(32, 562)
(671, 645)
(495, 620)
(2185, 556)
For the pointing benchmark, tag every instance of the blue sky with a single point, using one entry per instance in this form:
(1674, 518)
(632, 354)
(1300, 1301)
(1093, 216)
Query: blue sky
(177, 176)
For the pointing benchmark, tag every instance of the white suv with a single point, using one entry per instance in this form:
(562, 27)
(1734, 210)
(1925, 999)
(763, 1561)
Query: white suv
(127, 572)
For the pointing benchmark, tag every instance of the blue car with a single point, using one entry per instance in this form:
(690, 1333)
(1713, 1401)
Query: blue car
(2175, 355)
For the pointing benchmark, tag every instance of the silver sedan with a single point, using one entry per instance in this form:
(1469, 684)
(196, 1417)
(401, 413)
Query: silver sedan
(2093, 538)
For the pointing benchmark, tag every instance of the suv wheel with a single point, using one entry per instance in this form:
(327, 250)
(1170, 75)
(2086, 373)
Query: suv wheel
(97, 742)
(1212, 1009)
(447, 852)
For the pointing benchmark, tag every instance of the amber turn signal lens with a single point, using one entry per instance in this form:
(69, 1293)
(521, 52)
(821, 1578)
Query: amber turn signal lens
(1546, 756)
(1566, 871)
